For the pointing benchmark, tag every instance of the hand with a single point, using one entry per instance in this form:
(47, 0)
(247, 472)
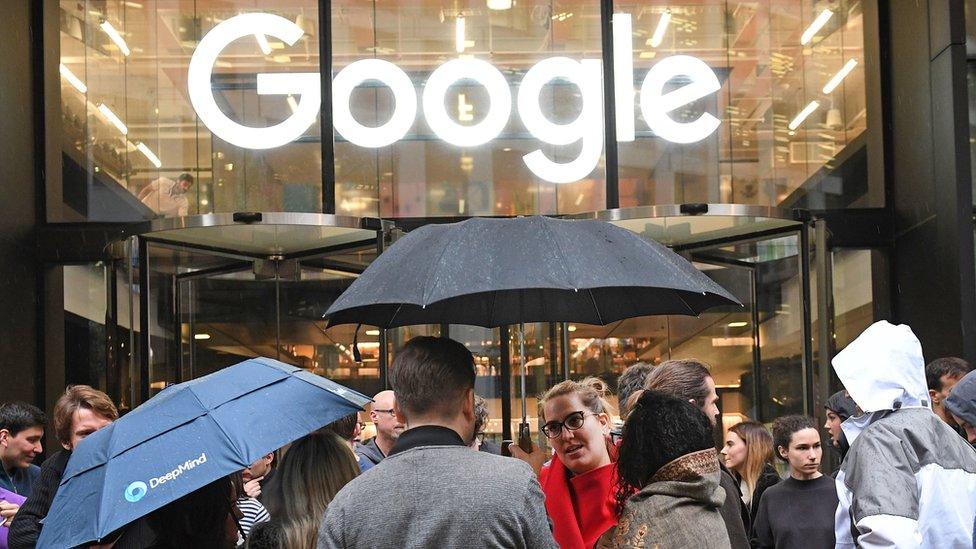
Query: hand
(536, 458)
(7, 512)
(253, 487)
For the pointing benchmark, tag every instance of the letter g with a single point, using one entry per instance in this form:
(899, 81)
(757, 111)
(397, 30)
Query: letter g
(306, 84)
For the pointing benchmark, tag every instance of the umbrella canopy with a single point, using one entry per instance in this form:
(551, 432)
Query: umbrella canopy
(494, 272)
(184, 438)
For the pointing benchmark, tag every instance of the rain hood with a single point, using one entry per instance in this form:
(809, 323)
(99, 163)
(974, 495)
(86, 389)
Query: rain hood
(962, 400)
(883, 370)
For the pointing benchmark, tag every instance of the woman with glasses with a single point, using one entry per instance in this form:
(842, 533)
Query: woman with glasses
(578, 482)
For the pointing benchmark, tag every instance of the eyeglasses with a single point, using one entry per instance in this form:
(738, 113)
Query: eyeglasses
(390, 411)
(572, 422)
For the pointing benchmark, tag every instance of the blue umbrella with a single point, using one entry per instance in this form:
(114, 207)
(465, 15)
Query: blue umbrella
(184, 438)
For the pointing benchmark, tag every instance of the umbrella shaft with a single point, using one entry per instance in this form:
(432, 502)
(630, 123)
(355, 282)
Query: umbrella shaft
(522, 365)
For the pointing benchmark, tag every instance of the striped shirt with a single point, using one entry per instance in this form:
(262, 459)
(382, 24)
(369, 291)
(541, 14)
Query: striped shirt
(253, 513)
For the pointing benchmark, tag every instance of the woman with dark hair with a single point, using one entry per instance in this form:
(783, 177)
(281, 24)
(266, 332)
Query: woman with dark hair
(206, 517)
(667, 492)
(748, 453)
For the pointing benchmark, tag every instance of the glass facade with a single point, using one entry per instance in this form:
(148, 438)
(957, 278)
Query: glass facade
(446, 109)
(440, 109)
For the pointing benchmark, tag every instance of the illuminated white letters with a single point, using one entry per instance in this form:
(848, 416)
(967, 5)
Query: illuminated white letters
(588, 126)
(499, 95)
(306, 84)
(404, 96)
(656, 105)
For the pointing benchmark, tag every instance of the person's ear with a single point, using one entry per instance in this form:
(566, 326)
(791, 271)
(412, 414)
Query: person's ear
(604, 419)
(468, 407)
(4, 437)
(934, 396)
(783, 452)
(398, 412)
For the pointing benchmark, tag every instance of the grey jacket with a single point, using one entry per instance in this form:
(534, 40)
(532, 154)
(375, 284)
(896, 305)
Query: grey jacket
(439, 496)
(679, 508)
(370, 451)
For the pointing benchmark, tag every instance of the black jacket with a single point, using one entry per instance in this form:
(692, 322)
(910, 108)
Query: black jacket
(767, 478)
(733, 510)
(370, 451)
(26, 526)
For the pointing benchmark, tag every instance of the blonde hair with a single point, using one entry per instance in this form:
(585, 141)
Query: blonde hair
(592, 392)
(312, 472)
(759, 450)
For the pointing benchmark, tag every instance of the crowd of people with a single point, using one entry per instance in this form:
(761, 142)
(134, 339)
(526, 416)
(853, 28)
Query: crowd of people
(903, 431)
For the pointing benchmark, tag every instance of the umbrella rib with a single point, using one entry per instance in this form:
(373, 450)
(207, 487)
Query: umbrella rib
(559, 249)
(685, 303)
(596, 307)
(433, 269)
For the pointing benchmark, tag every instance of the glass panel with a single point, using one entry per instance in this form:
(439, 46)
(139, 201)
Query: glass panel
(422, 173)
(85, 332)
(792, 105)
(129, 129)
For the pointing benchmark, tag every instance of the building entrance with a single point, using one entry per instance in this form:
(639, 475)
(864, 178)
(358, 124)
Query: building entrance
(209, 292)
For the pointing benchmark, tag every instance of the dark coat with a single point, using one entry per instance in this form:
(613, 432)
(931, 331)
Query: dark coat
(733, 509)
(26, 526)
(370, 451)
(767, 478)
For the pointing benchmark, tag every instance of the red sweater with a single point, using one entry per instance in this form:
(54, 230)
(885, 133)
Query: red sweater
(581, 507)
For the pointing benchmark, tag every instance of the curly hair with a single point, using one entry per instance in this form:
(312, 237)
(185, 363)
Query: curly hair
(784, 427)
(659, 429)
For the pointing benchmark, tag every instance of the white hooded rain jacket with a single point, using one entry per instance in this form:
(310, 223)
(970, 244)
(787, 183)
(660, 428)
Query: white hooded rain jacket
(908, 480)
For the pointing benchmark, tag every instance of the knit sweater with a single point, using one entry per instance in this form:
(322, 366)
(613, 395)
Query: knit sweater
(439, 493)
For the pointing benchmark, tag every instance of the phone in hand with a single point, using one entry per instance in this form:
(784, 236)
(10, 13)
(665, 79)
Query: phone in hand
(525, 438)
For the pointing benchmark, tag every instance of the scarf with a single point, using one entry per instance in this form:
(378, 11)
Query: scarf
(581, 507)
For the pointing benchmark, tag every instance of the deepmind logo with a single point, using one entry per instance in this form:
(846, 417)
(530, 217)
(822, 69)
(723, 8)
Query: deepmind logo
(655, 103)
(137, 490)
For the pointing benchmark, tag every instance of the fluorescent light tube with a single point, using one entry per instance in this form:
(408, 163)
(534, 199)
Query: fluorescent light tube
(149, 154)
(662, 27)
(292, 104)
(499, 4)
(116, 37)
(841, 75)
(815, 27)
(72, 79)
(459, 34)
(115, 120)
(263, 43)
(812, 106)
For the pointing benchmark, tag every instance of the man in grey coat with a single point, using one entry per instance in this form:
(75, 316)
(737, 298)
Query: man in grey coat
(432, 490)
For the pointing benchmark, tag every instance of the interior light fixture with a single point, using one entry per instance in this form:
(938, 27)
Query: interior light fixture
(499, 4)
(201, 336)
(263, 43)
(815, 27)
(662, 27)
(111, 117)
(840, 76)
(459, 34)
(372, 332)
(802, 115)
(571, 328)
(149, 154)
(135, 5)
(72, 79)
(116, 37)
(740, 324)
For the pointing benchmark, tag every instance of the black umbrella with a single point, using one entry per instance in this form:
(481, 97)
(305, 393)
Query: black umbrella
(494, 272)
